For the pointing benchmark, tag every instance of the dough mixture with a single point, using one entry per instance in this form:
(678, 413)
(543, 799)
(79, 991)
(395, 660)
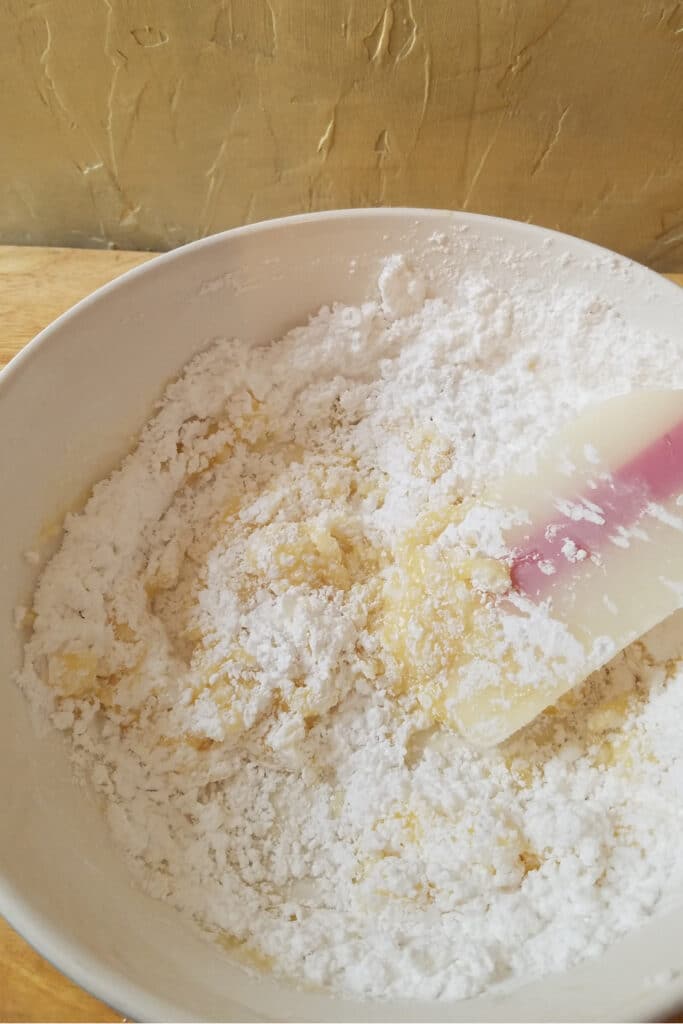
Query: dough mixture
(239, 629)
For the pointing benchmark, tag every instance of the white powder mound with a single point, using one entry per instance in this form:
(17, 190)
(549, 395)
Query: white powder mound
(217, 638)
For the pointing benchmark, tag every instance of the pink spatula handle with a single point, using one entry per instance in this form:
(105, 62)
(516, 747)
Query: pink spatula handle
(655, 474)
(596, 540)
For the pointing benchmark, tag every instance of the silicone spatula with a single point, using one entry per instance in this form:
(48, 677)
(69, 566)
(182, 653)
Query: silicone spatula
(599, 552)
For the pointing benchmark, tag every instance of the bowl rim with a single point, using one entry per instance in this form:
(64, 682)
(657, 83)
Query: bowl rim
(70, 958)
(157, 260)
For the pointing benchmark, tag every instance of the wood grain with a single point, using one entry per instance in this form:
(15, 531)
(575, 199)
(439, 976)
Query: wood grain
(31, 989)
(36, 285)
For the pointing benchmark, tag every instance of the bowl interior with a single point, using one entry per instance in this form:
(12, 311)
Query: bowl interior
(69, 408)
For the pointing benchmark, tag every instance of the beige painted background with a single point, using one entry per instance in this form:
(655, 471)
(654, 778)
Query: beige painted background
(147, 123)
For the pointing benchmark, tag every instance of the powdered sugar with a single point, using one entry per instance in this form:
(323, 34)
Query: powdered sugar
(215, 637)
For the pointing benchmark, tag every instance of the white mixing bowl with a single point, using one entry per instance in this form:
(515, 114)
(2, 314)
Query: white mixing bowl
(69, 405)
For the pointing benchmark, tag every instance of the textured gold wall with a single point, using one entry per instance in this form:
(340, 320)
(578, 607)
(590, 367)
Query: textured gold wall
(146, 123)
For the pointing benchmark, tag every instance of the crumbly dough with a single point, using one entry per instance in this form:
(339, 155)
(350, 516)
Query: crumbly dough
(236, 633)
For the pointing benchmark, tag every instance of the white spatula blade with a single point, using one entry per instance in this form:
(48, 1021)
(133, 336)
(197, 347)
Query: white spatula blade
(599, 557)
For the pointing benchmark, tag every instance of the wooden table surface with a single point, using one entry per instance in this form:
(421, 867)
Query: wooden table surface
(36, 285)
